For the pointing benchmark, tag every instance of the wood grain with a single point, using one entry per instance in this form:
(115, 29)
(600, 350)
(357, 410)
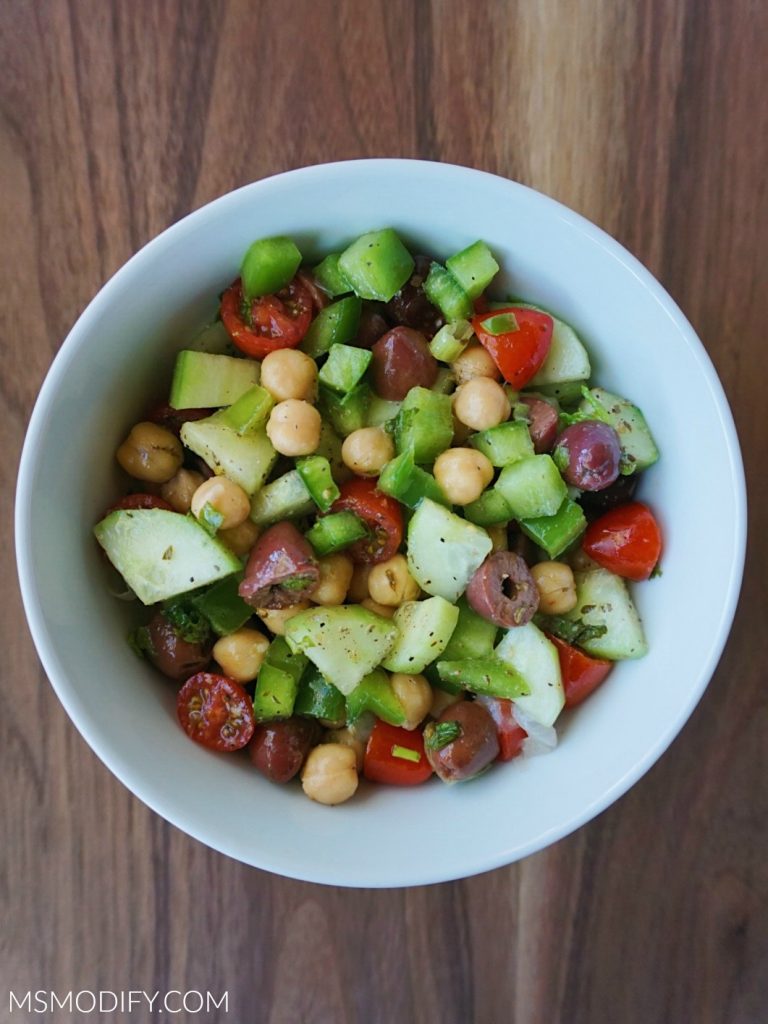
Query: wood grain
(649, 117)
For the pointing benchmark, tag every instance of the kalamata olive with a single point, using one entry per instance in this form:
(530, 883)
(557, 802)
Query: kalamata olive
(462, 742)
(621, 491)
(522, 545)
(281, 569)
(411, 307)
(587, 454)
(503, 591)
(373, 324)
(279, 749)
(542, 424)
(174, 419)
(401, 361)
(170, 653)
(319, 298)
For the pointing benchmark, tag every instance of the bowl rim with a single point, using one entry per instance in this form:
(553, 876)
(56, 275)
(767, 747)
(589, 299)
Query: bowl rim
(77, 338)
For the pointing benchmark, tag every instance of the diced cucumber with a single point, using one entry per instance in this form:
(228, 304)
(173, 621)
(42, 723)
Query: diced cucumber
(567, 392)
(489, 676)
(451, 340)
(335, 325)
(329, 276)
(532, 487)
(408, 483)
(245, 459)
(344, 367)
(638, 447)
(377, 265)
(161, 554)
(507, 443)
(474, 268)
(318, 698)
(490, 509)
(445, 381)
(444, 550)
(250, 412)
(424, 424)
(214, 338)
(347, 413)
(374, 693)
(336, 532)
(277, 683)
(529, 653)
(444, 291)
(567, 358)
(423, 631)
(269, 264)
(381, 411)
(473, 637)
(344, 642)
(330, 448)
(315, 472)
(603, 599)
(284, 498)
(203, 380)
(556, 533)
(223, 607)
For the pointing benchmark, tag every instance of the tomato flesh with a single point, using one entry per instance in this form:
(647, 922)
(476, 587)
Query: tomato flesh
(215, 712)
(626, 540)
(395, 756)
(379, 512)
(581, 674)
(270, 322)
(518, 354)
(511, 735)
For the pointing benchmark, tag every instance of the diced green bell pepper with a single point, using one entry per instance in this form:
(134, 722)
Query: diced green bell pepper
(483, 675)
(474, 268)
(318, 698)
(403, 479)
(424, 425)
(223, 607)
(315, 471)
(336, 531)
(268, 265)
(250, 412)
(335, 325)
(374, 693)
(556, 533)
(347, 413)
(344, 367)
(278, 681)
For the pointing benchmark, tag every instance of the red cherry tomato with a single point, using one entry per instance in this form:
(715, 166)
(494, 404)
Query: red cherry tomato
(511, 735)
(268, 323)
(381, 514)
(518, 354)
(133, 501)
(581, 674)
(396, 756)
(626, 540)
(215, 711)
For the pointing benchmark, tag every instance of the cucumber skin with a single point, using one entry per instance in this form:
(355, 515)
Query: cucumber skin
(609, 603)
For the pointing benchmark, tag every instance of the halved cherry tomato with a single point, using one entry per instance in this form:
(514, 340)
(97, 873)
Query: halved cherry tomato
(626, 540)
(581, 674)
(518, 354)
(215, 711)
(268, 323)
(395, 756)
(133, 501)
(173, 419)
(511, 735)
(382, 515)
(319, 298)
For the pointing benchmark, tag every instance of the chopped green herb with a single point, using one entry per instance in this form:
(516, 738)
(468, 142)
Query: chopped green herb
(596, 411)
(573, 631)
(441, 734)
(210, 519)
(190, 624)
(406, 754)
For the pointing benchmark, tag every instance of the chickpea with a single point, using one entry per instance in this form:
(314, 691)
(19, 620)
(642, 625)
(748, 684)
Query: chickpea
(347, 739)
(240, 539)
(275, 619)
(581, 562)
(557, 590)
(179, 489)
(390, 583)
(358, 587)
(225, 497)
(289, 373)
(385, 611)
(415, 694)
(499, 539)
(463, 474)
(241, 654)
(294, 427)
(441, 700)
(150, 453)
(473, 362)
(367, 451)
(335, 575)
(481, 403)
(329, 775)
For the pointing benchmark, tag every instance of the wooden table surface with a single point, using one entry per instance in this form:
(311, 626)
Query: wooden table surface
(648, 117)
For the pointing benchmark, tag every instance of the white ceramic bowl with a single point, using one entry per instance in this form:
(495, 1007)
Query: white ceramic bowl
(121, 351)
